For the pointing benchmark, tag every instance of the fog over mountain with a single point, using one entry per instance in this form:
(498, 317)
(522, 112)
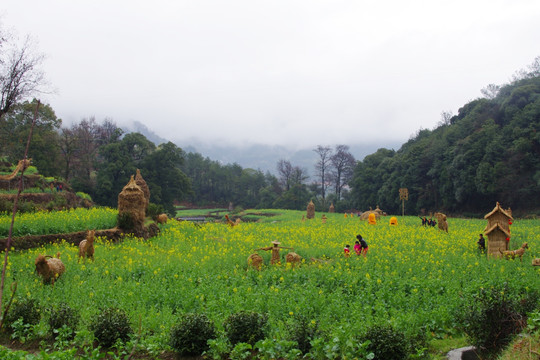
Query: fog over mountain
(256, 156)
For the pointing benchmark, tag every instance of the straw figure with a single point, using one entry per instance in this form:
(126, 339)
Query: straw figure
(441, 219)
(293, 258)
(310, 210)
(232, 223)
(393, 220)
(255, 261)
(132, 201)
(512, 254)
(332, 209)
(324, 218)
(86, 247)
(162, 219)
(49, 268)
(21, 165)
(275, 251)
(378, 213)
(144, 187)
(536, 262)
(345, 215)
(498, 230)
(372, 219)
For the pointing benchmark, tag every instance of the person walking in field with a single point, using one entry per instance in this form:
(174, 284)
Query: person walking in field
(363, 244)
(481, 243)
(347, 251)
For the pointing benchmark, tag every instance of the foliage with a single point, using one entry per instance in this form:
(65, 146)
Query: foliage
(154, 210)
(26, 310)
(58, 222)
(489, 152)
(83, 195)
(414, 278)
(191, 334)
(111, 325)
(302, 331)
(245, 327)
(386, 343)
(61, 316)
(494, 315)
(125, 221)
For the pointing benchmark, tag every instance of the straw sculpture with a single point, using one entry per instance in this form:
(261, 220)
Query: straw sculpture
(144, 187)
(49, 268)
(324, 218)
(255, 261)
(498, 230)
(162, 219)
(512, 254)
(393, 220)
(536, 262)
(332, 209)
(442, 223)
(275, 251)
(131, 200)
(293, 258)
(22, 164)
(310, 210)
(372, 219)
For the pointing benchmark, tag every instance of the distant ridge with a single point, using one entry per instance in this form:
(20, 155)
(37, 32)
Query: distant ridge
(259, 156)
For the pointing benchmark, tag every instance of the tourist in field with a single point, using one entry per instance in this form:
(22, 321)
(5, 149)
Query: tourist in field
(357, 248)
(482, 243)
(347, 251)
(424, 220)
(363, 244)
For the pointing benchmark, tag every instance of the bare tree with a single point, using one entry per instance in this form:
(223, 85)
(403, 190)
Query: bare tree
(285, 169)
(21, 75)
(342, 169)
(322, 167)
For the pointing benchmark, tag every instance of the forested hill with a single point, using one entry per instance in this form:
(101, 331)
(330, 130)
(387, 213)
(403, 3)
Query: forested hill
(489, 152)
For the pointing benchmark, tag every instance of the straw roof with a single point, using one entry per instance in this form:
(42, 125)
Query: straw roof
(496, 209)
(496, 226)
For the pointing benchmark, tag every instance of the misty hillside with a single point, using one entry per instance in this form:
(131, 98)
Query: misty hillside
(258, 157)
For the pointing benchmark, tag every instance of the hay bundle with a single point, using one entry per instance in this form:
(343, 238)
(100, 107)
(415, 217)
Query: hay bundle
(332, 209)
(132, 201)
(162, 218)
(293, 258)
(144, 187)
(255, 261)
(442, 223)
(310, 210)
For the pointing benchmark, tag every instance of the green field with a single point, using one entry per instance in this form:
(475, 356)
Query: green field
(413, 278)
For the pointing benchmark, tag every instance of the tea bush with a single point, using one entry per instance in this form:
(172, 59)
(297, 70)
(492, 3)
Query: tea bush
(28, 310)
(190, 335)
(387, 343)
(245, 326)
(111, 325)
(63, 315)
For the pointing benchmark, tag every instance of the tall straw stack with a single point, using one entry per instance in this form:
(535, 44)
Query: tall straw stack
(132, 200)
(144, 187)
(332, 209)
(310, 210)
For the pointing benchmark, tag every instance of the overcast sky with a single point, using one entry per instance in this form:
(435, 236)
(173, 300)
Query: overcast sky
(294, 72)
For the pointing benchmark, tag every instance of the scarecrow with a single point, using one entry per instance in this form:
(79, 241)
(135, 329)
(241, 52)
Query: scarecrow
(275, 251)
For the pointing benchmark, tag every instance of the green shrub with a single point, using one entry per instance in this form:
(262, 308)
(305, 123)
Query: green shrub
(125, 221)
(386, 342)
(63, 315)
(111, 325)
(154, 210)
(245, 326)
(303, 331)
(190, 335)
(83, 195)
(28, 310)
(493, 316)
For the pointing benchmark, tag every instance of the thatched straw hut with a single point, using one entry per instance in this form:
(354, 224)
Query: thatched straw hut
(310, 210)
(332, 209)
(132, 201)
(144, 187)
(498, 230)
